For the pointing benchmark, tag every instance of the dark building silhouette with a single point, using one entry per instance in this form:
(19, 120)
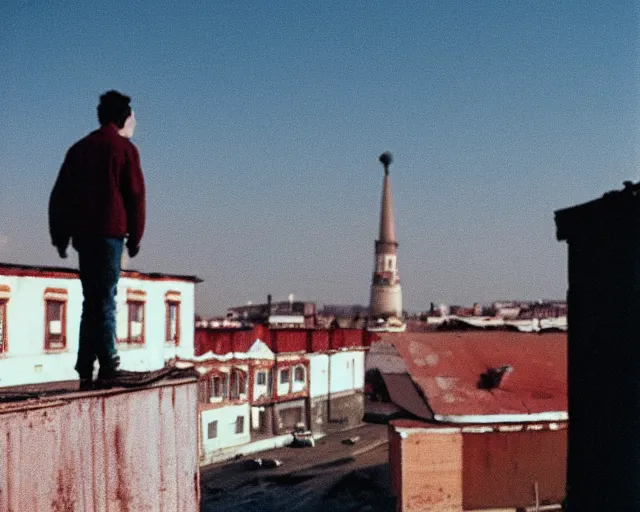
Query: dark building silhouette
(603, 238)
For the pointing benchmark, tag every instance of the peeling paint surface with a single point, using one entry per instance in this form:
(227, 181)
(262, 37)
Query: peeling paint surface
(109, 451)
(447, 367)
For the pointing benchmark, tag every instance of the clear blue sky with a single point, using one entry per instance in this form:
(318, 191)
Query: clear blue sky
(260, 124)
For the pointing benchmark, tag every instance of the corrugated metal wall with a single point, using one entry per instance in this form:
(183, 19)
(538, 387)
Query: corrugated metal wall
(224, 341)
(346, 338)
(110, 451)
(319, 340)
(288, 340)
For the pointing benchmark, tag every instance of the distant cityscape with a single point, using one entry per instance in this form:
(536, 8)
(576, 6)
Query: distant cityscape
(522, 315)
(445, 387)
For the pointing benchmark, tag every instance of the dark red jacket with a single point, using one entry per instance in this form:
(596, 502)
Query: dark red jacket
(99, 191)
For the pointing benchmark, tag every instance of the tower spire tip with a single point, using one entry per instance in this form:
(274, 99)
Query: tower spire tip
(386, 159)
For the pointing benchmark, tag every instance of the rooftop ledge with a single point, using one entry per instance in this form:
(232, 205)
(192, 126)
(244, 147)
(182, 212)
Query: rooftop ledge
(101, 448)
(406, 427)
(36, 396)
(14, 269)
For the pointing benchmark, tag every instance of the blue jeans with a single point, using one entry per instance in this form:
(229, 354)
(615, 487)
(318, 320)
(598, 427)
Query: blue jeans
(100, 260)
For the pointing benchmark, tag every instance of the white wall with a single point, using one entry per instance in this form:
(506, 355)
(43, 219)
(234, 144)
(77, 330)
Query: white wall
(347, 372)
(318, 375)
(154, 352)
(226, 417)
(26, 360)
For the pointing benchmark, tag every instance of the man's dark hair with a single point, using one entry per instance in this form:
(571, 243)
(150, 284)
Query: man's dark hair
(114, 108)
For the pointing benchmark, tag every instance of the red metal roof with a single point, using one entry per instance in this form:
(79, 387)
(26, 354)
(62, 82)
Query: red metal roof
(447, 367)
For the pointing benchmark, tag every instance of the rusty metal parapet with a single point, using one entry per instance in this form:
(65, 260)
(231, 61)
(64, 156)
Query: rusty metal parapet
(116, 450)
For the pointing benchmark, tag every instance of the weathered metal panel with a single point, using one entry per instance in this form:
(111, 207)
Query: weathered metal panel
(112, 451)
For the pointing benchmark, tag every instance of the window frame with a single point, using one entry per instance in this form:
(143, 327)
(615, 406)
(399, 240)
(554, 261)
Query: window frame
(221, 391)
(172, 299)
(237, 384)
(263, 374)
(4, 342)
(282, 372)
(299, 368)
(135, 298)
(213, 423)
(239, 425)
(203, 391)
(55, 296)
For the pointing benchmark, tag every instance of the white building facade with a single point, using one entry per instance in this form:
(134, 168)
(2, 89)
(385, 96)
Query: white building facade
(254, 393)
(40, 310)
(336, 389)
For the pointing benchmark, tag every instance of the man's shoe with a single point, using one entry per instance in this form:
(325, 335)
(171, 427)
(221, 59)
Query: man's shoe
(112, 377)
(130, 379)
(86, 384)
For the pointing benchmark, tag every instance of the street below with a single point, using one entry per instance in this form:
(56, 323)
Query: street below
(335, 475)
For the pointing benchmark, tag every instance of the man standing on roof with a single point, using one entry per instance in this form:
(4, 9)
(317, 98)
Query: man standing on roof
(97, 201)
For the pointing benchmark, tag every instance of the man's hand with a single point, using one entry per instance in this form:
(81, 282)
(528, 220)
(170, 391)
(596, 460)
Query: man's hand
(133, 251)
(61, 245)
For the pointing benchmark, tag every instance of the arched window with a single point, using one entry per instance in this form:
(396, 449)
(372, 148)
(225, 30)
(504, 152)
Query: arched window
(237, 384)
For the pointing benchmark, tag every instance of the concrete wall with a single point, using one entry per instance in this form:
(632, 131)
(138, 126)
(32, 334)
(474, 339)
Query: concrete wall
(344, 410)
(112, 451)
(385, 299)
(226, 437)
(26, 360)
(284, 412)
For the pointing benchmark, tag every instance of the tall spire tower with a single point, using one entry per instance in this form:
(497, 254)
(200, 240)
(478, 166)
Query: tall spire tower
(386, 293)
